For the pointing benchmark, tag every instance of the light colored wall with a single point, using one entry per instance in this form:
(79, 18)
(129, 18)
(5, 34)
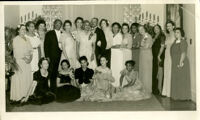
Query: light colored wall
(111, 12)
(28, 9)
(11, 15)
(189, 28)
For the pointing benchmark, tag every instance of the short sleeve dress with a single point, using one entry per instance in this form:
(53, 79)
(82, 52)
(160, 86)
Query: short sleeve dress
(67, 93)
(180, 77)
(35, 43)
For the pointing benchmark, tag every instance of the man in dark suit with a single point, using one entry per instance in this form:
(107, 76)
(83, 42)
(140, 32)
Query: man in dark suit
(53, 52)
(100, 45)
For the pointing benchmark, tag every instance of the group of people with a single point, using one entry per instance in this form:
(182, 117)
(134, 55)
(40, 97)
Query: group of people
(99, 62)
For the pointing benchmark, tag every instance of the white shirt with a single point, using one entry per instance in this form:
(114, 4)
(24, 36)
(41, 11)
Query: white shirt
(109, 37)
(58, 33)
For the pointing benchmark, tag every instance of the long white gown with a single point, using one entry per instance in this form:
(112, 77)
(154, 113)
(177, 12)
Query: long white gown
(69, 46)
(117, 59)
(22, 79)
(85, 48)
(167, 66)
(35, 43)
(127, 52)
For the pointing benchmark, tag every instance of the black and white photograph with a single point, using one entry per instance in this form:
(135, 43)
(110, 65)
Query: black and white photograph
(99, 57)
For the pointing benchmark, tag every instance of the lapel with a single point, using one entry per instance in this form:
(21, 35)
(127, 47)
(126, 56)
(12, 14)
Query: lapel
(96, 30)
(54, 37)
(54, 34)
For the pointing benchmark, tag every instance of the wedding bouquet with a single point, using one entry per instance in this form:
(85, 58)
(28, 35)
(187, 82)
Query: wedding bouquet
(91, 34)
(28, 56)
(74, 34)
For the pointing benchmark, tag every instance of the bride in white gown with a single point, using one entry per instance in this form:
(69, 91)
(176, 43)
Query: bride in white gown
(87, 44)
(68, 45)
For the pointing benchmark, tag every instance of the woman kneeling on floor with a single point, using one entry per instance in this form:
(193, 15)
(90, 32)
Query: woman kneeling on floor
(66, 92)
(42, 94)
(130, 85)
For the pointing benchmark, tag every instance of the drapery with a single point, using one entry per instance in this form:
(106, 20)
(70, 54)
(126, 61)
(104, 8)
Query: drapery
(174, 12)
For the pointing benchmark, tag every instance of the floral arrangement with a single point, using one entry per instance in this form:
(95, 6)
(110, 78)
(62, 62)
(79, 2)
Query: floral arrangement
(10, 62)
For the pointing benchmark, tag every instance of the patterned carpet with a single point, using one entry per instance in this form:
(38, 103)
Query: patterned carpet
(151, 104)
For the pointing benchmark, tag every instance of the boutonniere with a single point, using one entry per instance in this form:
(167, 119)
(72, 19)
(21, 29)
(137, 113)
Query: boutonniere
(73, 35)
(91, 34)
(145, 37)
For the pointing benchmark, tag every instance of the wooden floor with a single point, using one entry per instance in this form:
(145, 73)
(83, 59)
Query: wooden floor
(175, 105)
(157, 103)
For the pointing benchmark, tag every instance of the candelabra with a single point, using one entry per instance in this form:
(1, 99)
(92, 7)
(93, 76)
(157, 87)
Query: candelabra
(134, 13)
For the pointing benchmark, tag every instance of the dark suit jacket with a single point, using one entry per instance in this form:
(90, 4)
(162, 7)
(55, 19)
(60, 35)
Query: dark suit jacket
(51, 47)
(100, 37)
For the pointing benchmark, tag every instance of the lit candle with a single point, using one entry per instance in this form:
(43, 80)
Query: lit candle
(140, 17)
(135, 19)
(150, 16)
(154, 17)
(146, 15)
(32, 14)
(158, 19)
(25, 18)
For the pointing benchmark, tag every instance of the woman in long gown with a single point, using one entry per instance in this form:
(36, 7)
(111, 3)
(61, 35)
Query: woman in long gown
(170, 37)
(76, 33)
(157, 77)
(41, 31)
(42, 94)
(66, 92)
(180, 76)
(131, 87)
(126, 43)
(35, 42)
(87, 44)
(68, 45)
(116, 54)
(109, 38)
(136, 37)
(22, 79)
(145, 58)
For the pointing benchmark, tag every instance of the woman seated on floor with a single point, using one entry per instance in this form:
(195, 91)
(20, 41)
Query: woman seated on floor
(83, 76)
(66, 92)
(131, 86)
(42, 94)
(102, 82)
